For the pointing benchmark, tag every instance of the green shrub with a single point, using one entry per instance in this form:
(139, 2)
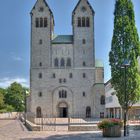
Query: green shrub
(10, 108)
(7, 108)
(3, 111)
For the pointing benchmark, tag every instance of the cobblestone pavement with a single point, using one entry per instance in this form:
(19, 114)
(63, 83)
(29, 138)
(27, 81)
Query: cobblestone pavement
(14, 130)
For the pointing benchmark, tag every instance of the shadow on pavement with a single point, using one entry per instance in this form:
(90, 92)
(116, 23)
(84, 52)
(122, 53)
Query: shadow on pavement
(81, 136)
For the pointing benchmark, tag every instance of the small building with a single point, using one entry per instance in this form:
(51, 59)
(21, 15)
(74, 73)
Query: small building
(113, 108)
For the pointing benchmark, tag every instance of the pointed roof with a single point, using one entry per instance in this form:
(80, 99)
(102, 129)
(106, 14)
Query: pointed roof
(79, 3)
(109, 81)
(46, 6)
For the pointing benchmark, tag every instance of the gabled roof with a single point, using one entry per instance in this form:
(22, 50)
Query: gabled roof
(63, 39)
(46, 6)
(109, 81)
(79, 3)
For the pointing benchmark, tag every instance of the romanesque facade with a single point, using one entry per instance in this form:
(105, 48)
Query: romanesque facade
(65, 78)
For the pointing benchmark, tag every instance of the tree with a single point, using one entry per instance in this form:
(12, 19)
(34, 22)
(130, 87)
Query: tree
(15, 97)
(2, 91)
(1, 101)
(125, 45)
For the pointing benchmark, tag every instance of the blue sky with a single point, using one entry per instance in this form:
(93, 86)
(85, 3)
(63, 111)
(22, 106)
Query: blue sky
(15, 33)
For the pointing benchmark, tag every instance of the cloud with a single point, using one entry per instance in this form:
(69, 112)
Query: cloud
(17, 58)
(5, 82)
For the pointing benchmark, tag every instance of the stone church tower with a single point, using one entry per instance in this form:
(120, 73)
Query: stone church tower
(65, 79)
(83, 34)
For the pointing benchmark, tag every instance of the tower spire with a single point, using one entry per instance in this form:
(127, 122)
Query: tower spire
(78, 4)
(42, 2)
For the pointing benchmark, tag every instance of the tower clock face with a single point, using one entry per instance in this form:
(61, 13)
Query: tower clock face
(83, 9)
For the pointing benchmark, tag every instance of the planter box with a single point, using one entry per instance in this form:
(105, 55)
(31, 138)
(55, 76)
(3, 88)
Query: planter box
(114, 131)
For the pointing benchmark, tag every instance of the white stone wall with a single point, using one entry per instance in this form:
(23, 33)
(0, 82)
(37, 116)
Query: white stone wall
(28, 103)
(99, 75)
(111, 98)
(49, 85)
(62, 51)
(98, 91)
(41, 52)
(83, 52)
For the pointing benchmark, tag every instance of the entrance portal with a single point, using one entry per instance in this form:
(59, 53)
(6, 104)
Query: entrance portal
(63, 110)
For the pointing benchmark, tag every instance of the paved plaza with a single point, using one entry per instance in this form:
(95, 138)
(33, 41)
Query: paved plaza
(14, 130)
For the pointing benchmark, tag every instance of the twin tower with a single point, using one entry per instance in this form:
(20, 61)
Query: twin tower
(43, 35)
(65, 79)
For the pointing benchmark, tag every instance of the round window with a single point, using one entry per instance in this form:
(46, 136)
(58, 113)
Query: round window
(83, 9)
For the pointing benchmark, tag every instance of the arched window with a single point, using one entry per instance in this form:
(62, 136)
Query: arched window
(37, 22)
(83, 22)
(45, 22)
(40, 64)
(54, 76)
(56, 62)
(41, 9)
(79, 22)
(40, 41)
(70, 75)
(38, 112)
(87, 22)
(84, 75)
(40, 75)
(84, 41)
(41, 22)
(88, 112)
(63, 94)
(84, 64)
(68, 62)
(60, 94)
(84, 94)
(102, 100)
(62, 62)
(64, 80)
(40, 94)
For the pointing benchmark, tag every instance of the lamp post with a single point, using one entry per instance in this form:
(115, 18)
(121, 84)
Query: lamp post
(124, 66)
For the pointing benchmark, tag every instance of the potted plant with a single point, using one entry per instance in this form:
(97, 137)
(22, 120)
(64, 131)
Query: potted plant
(111, 127)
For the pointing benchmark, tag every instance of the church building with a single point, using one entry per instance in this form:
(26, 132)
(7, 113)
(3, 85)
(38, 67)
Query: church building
(65, 79)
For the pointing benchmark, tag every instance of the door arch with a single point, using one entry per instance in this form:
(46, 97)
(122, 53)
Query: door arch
(63, 110)
(38, 112)
(67, 99)
(88, 112)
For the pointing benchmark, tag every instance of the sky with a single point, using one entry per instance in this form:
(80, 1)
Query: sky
(15, 33)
